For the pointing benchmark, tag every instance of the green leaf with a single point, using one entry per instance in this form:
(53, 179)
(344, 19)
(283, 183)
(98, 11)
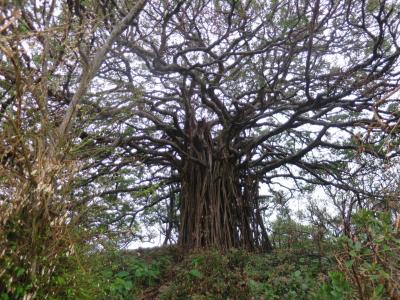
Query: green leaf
(19, 272)
(378, 291)
(349, 263)
(122, 274)
(22, 28)
(128, 285)
(353, 253)
(357, 246)
(60, 280)
(372, 5)
(195, 273)
(4, 296)
(384, 274)
(107, 273)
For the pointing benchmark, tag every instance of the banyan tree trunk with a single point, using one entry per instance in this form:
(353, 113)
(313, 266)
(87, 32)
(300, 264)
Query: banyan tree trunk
(215, 210)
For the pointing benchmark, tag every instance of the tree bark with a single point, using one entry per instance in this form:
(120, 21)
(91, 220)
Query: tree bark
(217, 211)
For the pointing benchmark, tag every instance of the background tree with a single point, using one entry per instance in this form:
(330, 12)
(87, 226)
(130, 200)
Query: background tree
(50, 52)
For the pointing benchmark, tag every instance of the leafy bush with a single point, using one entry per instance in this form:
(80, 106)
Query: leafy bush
(132, 275)
(286, 275)
(370, 258)
(208, 275)
(336, 289)
(242, 275)
(110, 274)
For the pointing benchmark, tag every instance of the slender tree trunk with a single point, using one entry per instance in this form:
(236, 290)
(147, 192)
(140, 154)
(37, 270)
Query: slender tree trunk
(171, 218)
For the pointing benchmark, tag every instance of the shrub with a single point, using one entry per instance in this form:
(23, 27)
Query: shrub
(370, 258)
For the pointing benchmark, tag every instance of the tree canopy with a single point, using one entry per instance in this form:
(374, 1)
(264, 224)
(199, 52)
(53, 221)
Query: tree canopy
(237, 94)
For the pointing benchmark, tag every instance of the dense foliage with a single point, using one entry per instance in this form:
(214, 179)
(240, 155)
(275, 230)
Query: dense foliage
(331, 268)
(258, 141)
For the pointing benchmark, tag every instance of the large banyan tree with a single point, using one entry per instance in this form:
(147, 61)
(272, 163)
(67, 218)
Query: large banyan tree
(235, 94)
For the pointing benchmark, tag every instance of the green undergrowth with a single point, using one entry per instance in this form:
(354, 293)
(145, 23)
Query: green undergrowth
(165, 273)
(364, 265)
(242, 275)
(113, 274)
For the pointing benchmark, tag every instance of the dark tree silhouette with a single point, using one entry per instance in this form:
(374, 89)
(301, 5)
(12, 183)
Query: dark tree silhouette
(239, 93)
